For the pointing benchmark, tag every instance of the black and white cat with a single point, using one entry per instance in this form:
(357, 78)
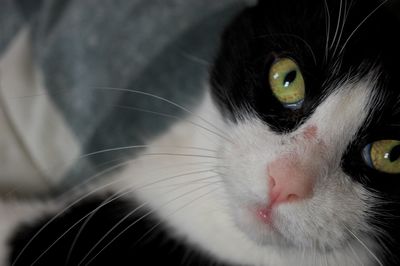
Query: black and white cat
(292, 157)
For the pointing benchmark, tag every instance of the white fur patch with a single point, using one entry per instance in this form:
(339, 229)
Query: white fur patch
(208, 200)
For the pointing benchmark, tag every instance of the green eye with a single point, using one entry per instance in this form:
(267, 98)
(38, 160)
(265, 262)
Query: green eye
(287, 83)
(383, 155)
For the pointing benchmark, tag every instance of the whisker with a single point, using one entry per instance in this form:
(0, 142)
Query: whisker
(196, 59)
(194, 181)
(142, 155)
(365, 246)
(86, 196)
(144, 216)
(356, 256)
(123, 163)
(112, 198)
(337, 25)
(345, 13)
(67, 231)
(181, 107)
(359, 25)
(220, 134)
(161, 99)
(328, 29)
(136, 221)
(294, 36)
(179, 155)
(56, 216)
(85, 219)
(158, 224)
(99, 174)
(141, 146)
(173, 117)
(385, 248)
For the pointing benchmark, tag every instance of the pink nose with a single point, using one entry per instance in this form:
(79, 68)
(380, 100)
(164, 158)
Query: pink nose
(289, 180)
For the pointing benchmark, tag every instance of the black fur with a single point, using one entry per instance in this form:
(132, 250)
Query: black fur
(298, 29)
(133, 247)
(239, 80)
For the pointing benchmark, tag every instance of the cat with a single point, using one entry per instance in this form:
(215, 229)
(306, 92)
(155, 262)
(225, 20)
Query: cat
(291, 157)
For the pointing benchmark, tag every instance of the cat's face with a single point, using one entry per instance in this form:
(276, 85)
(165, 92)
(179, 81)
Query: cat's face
(310, 91)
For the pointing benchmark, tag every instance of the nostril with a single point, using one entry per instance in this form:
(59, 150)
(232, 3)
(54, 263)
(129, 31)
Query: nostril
(289, 181)
(292, 197)
(272, 182)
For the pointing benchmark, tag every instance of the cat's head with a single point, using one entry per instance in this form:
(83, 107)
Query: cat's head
(311, 94)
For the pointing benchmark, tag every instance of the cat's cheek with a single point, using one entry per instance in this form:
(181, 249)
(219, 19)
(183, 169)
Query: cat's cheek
(325, 221)
(337, 204)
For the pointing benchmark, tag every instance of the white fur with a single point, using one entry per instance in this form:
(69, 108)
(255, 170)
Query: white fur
(223, 223)
(206, 196)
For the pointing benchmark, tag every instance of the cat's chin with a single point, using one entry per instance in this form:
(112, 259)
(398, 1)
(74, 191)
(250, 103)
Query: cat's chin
(267, 229)
(249, 221)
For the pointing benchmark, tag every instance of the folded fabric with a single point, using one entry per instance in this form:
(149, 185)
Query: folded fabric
(63, 64)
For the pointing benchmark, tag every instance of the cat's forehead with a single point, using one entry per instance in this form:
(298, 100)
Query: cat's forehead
(353, 33)
(332, 42)
(342, 49)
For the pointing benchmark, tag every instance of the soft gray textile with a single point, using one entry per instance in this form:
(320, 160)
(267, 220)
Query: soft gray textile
(158, 46)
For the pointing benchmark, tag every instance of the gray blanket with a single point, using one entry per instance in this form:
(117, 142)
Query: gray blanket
(86, 50)
(74, 57)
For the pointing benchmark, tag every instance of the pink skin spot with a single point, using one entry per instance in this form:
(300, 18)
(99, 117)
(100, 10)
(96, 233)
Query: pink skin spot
(289, 181)
(290, 178)
(310, 132)
(265, 215)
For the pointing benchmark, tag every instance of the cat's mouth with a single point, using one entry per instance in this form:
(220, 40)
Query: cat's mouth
(264, 214)
(269, 219)
(288, 228)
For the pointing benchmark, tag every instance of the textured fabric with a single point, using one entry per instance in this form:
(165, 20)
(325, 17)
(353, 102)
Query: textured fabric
(83, 49)
(37, 145)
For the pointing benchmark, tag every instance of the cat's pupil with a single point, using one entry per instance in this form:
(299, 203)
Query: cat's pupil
(394, 153)
(289, 78)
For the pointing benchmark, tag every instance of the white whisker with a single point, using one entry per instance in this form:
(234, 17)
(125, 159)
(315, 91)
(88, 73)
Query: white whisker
(56, 216)
(69, 206)
(159, 223)
(179, 155)
(342, 27)
(149, 213)
(161, 99)
(309, 47)
(359, 25)
(196, 59)
(337, 25)
(114, 197)
(136, 221)
(365, 246)
(119, 165)
(328, 29)
(356, 256)
(141, 146)
(173, 117)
